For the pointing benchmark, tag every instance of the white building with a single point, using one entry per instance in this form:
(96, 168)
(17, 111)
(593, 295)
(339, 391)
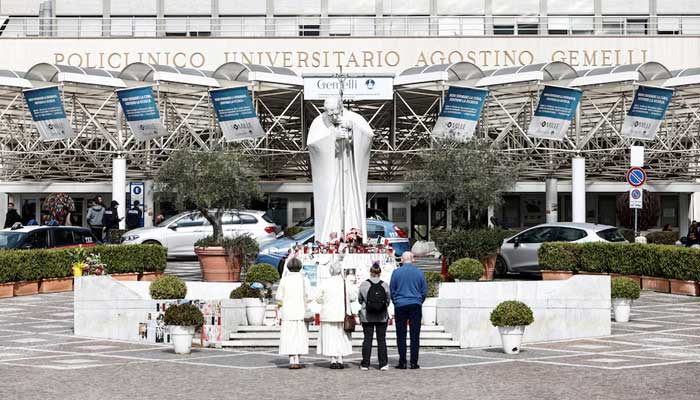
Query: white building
(415, 49)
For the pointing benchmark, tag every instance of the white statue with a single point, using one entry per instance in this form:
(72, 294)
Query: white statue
(339, 146)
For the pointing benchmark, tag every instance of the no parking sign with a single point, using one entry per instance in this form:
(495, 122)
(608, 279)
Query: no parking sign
(636, 198)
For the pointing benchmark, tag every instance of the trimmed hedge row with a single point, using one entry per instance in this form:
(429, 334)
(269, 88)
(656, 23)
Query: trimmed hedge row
(660, 261)
(32, 265)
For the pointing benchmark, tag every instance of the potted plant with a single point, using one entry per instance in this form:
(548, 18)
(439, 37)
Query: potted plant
(168, 287)
(466, 269)
(262, 273)
(559, 261)
(254, 298)
(223, 260)
(212, 182)
(7, 274)
(56, 271)
(154, 259)
(434, 280)
(183, 320)
(511, 317)
(623, 291)
(28, 273)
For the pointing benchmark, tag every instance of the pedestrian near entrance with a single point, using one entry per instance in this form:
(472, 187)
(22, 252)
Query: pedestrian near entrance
(94, 218)
(12, 216)
(374, 299)
(408, 289)
(133, 216)
(292, 296)
(334, 296)
(110, 219)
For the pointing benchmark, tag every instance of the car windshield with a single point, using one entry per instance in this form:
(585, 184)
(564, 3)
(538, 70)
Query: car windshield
(301, 235)
(9, 240)
(611, 235)
(170, 220)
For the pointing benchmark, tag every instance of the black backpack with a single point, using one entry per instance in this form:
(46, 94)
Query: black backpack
(376, 298)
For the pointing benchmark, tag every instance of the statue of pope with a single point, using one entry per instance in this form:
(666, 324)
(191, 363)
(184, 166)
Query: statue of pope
(339, 147)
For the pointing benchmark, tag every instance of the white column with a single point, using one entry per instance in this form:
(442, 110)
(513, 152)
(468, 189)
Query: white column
(550, 200)
(683, 213)
(149, 204)
(119, 186)
(4, 199)
(490, 212)
(578, 189)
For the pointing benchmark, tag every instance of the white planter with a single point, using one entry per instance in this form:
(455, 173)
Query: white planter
(181, 337)
(621, 309)
(511, 337)
(430, 311)
(254, 311)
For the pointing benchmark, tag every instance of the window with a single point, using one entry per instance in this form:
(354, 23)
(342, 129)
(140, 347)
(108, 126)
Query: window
(375, 231)
(611, 235)
(537, 235)
(230, 219)
(248, 219)
(191, 220)
(309, 30)
(38, 239)
(569, 234)
(83, 237)
(63, 237)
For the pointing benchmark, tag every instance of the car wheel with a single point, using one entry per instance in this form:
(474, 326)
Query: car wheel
(501, 268)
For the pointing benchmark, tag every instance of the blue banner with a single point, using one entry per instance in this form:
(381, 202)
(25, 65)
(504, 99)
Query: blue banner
(48, 114)
(646, 112)
(236, 114)
(141, 112)
(460, 113)
(554, 112)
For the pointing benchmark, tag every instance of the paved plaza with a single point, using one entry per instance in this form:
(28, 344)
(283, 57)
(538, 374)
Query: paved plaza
(655, 356)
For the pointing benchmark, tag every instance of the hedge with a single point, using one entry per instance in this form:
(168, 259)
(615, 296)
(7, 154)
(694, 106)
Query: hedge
(470, 243)
(660, 261)
(32, 265)
(662, 237)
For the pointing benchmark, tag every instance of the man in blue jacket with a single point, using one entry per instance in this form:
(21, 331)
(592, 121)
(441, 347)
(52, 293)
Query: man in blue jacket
(408, 290)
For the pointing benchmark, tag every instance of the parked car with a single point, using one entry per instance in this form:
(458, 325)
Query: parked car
(372, 213)
(45, 237)
(519, 253)
(180, 232)
(275, 253)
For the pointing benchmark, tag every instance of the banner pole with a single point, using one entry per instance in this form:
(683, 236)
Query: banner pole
(636, 232)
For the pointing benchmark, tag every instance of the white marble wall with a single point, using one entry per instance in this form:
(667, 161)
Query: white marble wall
(575, 308)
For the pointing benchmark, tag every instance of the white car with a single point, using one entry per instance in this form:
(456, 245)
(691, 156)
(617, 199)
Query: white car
(519, 253)
(180, 232)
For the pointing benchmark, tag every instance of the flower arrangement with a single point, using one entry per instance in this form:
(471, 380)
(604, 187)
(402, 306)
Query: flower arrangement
(94, 265)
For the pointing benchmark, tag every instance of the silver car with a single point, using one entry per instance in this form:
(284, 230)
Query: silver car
(519, 253)
(180, 232)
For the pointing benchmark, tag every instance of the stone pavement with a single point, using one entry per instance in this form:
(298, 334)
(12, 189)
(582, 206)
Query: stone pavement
(655, 356)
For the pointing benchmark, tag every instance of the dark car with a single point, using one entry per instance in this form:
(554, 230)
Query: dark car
(45, 237)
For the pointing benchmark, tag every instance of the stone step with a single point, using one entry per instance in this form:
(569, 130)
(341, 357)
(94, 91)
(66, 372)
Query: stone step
(314, 328)
(355, 343)
(314, 334)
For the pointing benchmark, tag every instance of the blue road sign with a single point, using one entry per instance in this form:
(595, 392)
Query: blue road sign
(636, 176)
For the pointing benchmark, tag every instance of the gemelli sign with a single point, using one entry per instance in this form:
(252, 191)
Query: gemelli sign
(48, 114)
(460, 113)
(354, 88)
(646, 112)
(141, 112)
(554, 112)
(236, 114)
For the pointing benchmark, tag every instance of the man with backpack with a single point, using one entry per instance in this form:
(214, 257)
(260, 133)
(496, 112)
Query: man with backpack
(374, 298)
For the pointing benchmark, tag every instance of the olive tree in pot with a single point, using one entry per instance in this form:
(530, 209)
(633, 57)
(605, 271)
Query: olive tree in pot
(511, 317)
(466, 269)
(254, 298)
(262, 273)
(213, 183)
(183, 320)
(429, 311)
(623, 290)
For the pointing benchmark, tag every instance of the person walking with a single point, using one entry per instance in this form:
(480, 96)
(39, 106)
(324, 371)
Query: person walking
(408, 289)
(292, 296)
(334, 296)
(133, 216)
(12, 216)
(94, 218)
(374, 299)
(110, 219)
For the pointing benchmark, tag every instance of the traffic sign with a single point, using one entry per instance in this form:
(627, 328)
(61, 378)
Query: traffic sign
(636, 198)
(636, 176)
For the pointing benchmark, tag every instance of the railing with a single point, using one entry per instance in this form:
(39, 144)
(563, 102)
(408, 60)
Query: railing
(349, 26)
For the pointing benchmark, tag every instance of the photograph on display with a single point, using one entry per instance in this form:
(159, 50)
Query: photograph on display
(311, 273)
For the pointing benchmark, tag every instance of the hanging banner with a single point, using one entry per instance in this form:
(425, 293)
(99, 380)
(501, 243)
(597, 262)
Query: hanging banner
(236, 114)
(554, 112)
(48, 114)
(460, 113)
(141, 113)
(646, 112)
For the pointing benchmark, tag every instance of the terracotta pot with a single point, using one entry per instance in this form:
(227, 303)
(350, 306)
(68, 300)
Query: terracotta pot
(26, 288)
(556, 275)
(7, 290)
(129, 276)
(56, 285)
(489, 264)
(149, 276)
(217, 266)
(661, 285)
(690, 288)
(592, 273)
(635, 278)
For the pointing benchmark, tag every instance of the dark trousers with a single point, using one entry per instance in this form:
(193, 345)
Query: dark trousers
(98, 232)
(368, 328)
(412, 313)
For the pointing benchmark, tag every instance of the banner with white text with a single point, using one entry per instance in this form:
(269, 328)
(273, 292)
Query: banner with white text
(646, 112)
(460, 113)
(236, 114)
(141, 113)
(49, 115)
(554, 112)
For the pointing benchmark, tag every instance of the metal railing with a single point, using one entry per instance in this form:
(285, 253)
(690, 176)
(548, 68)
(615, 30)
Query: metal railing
(253, 26)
